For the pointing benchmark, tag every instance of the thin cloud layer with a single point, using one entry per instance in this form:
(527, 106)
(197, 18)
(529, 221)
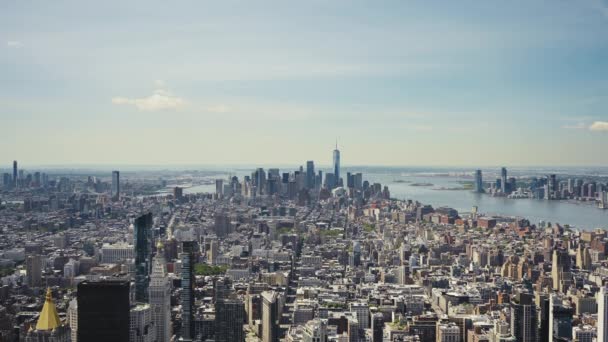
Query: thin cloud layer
(14, 44)
(579, 125)
(599, 126)
(160, 100)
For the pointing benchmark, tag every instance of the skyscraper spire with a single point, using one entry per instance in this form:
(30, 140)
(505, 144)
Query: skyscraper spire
(49, 319)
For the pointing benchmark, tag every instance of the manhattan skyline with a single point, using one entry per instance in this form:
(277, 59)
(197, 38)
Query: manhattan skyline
(399, 84)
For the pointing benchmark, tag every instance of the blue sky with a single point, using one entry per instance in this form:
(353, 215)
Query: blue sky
(398, 82)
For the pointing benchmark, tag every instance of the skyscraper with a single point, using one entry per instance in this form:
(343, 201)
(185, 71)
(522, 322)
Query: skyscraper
(229, 320)
(560, 319)
(103, 311)
(115, 185)
(336, 166)
(160, 296)
(142, 323)
(142, 241)
(33, 268)
(219, 187)
(524, 318)
(560, 267)
(478, 181)
(310, 174)
(187, 296)
(377, 327)
(270, 315)
(602, 315)
(503, 180)
(15, 174)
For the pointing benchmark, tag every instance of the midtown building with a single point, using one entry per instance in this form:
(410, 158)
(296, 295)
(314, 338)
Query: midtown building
(142, 231)
(524, 318)
(160, 296)
(229, 320)
(103, 311)
(187, 295)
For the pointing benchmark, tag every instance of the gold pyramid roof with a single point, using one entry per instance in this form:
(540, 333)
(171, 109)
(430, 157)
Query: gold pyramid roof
(49, 319)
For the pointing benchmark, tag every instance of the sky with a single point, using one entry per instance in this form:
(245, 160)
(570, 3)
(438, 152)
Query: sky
(462, 83)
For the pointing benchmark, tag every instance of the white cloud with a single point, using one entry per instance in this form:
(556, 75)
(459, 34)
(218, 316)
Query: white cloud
(579, 125)
(599, 126)
(14, 44)
(160, 100)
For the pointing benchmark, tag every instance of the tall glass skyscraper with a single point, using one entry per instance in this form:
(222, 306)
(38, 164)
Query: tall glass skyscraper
(115, 185)
(478, 181)
(310, 174)
(15, 174)
(187, 295)
(503, 180)
(142, 244)
(336, 166)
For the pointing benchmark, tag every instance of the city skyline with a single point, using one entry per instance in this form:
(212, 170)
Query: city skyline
(515, 83)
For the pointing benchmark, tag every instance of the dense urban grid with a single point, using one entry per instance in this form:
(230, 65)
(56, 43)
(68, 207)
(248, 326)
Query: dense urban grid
(303, 255)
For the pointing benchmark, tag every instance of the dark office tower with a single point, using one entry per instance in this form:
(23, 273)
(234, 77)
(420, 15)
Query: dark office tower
(350, 180)
(336, 166)
(503, 180)
(229, 320)
(222, 224)
(15, 174)
(187, 296)
(260, 180)
(103, 311)
(219, 187)
(543, 327)
(478, 182)
(355, 256)
(377, 327)
(560, 319)
(178, 193)
(524, 318)
(115, 185)
(271, 186)
(310, 174)
(6, 180)
(358, 179)
(142, 245)
(330, 180)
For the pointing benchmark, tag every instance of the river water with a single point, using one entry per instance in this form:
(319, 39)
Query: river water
(402, 184)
